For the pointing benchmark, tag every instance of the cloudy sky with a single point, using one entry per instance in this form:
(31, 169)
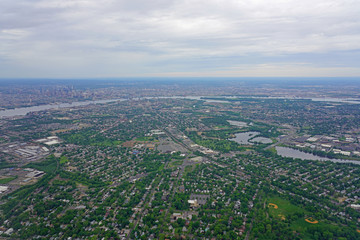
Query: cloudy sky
(120, 38)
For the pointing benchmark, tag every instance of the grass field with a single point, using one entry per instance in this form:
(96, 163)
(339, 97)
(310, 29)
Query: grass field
(175, 163)
(6, 180)
(48, 166)
(221, 127)
(63, 160)
(4, 164)
(189, 168)
(285, 208)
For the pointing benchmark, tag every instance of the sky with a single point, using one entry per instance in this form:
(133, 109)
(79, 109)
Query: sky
(179, 38)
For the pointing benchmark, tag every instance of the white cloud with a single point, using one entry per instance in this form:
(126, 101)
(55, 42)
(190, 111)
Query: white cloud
(139, 33)
(270, 70)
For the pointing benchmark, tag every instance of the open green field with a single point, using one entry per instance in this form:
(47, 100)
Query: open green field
(175, 163)
(6, 180)
(49, 165)
(295, 214)
(63, 159)
(4, 164)
(284, 207)
(189, 168)
(221, 127)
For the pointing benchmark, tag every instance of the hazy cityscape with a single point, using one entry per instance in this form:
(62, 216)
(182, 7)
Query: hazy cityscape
(179, 119)
(174, 163)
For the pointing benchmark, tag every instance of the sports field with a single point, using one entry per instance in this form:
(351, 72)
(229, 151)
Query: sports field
(299, 219)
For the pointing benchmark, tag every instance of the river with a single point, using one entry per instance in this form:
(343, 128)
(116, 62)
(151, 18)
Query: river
(25, 110)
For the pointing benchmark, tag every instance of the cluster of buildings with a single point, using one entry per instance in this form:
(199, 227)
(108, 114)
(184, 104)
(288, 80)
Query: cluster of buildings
(26, 152)
(52, 140)
(347, 145)
(18, 177)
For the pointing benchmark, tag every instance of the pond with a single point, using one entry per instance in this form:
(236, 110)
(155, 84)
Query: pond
(244, 137)
(294, 153)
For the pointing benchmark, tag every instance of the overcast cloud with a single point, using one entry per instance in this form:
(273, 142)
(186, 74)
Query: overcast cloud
(117, 38)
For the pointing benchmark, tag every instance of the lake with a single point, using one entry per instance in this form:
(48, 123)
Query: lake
(244, 137)
(294, 153)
